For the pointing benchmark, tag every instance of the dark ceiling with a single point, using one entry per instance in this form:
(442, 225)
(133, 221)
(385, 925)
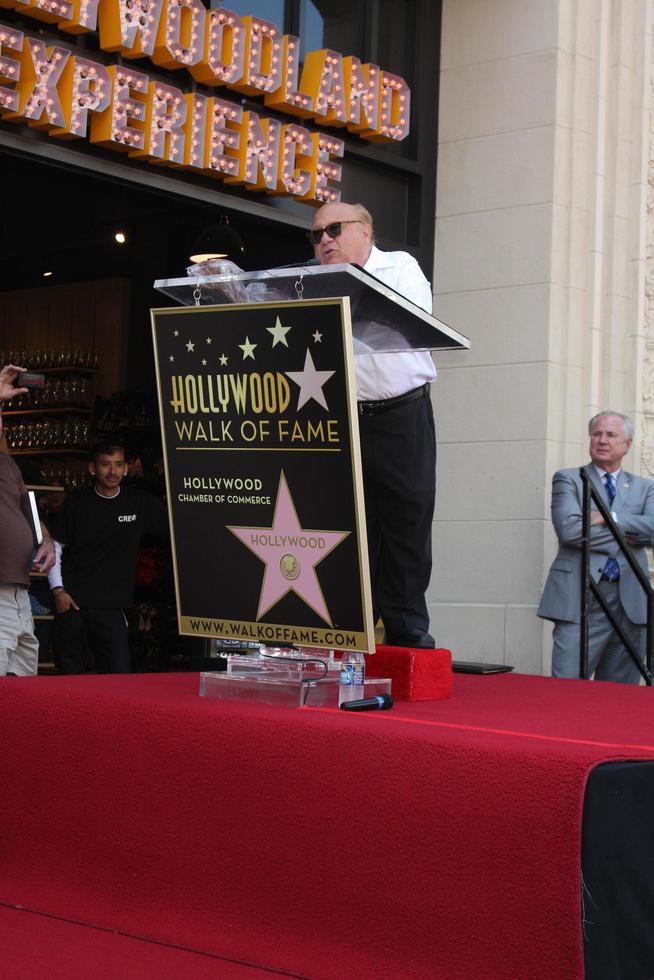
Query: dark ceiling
(64, 221)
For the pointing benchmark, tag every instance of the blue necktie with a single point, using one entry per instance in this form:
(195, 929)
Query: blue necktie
(611, 570)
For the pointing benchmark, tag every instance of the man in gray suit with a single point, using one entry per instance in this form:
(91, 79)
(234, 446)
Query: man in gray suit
(631, 502)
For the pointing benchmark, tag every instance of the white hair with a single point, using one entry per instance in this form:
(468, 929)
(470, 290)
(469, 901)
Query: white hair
(628, 424)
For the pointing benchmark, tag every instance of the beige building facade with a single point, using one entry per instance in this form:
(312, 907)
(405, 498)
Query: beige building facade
(544, 247)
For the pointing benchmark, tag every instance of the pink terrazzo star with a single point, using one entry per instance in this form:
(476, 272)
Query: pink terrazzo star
(310, 381)
(291, 554)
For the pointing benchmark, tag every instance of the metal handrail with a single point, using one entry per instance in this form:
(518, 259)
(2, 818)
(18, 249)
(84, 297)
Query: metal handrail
(588, 586)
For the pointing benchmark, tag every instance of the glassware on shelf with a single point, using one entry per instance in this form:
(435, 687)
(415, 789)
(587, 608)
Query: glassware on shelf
(72, 433)
(59, 358)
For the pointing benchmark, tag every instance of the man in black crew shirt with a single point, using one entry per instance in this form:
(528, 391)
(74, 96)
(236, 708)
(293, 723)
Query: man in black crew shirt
(99, 529)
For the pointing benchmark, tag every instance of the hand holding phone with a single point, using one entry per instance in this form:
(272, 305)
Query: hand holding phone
(8, 375)
(29, 379)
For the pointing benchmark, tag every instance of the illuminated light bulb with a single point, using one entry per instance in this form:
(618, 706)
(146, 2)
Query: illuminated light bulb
(120, 237)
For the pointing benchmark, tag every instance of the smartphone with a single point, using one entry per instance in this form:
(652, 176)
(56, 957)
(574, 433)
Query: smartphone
(28, 379)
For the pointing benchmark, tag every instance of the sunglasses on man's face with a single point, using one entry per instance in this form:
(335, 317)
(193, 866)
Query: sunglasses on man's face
(314, 235)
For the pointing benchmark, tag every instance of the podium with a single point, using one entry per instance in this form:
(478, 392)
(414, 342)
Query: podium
(257, 398)
(382, 319)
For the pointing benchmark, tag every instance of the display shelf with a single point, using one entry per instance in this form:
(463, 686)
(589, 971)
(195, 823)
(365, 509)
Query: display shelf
(64, 410)
(56, 420)
(71, 369)
(49, 452)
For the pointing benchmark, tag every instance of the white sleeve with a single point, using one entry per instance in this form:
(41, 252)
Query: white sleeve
(54, 575)
(412, 282)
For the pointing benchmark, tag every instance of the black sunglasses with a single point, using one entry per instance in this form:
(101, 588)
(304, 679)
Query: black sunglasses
(314, 235)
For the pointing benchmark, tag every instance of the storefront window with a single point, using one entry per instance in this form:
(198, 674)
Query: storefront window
(272, 10)
(335, 24)
(397, 31)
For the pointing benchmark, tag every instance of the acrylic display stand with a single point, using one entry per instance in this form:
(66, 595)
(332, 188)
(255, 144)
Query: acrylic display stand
(291, 678)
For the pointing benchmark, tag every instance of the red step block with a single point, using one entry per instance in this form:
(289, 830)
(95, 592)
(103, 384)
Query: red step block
(417, 675)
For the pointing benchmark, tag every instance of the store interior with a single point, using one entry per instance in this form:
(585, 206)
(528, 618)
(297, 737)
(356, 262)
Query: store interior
(75, 306)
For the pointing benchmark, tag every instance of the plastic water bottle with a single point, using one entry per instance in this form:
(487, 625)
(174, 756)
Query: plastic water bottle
(352, 678)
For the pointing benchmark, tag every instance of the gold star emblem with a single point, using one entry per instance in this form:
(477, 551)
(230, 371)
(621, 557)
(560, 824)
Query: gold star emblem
(247, 348)
(278, 333)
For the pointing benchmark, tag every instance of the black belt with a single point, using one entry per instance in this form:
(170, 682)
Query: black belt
(386, 404)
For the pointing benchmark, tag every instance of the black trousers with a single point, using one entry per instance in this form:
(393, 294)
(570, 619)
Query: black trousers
(98, 632)
(398, 450)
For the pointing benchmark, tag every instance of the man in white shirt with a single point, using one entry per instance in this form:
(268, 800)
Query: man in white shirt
(398, 440)
(631, 501)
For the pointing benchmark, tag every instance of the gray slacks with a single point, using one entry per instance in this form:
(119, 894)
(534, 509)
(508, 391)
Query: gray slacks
(608, 659)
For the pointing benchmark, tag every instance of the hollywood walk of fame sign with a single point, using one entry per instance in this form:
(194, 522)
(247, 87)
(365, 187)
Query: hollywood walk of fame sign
(263, 469)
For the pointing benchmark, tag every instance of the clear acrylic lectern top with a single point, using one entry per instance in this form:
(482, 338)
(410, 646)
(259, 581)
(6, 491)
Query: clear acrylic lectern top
(382, 320)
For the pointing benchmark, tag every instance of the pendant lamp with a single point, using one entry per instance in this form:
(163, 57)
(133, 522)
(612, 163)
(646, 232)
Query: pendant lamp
(217, 241)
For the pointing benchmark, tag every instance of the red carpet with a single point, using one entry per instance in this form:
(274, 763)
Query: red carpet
(439, 839)
(37, 946)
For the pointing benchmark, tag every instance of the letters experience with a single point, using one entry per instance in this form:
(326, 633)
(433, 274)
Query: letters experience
(53, 88)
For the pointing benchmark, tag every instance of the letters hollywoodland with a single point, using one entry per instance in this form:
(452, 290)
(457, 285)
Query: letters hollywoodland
(52, 87)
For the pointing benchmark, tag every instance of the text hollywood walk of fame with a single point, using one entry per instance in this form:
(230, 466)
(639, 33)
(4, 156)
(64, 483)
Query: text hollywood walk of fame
(290, 408)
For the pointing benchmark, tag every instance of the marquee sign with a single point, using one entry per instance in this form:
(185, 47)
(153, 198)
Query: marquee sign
(52, 87)
(263, 471)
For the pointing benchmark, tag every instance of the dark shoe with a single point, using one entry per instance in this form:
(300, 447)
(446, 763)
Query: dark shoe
(417, 639)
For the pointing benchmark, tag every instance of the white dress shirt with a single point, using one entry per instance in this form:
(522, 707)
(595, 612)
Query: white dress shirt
(387, 375)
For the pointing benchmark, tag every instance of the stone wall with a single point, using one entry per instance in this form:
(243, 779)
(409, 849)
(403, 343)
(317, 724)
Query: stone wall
(542, 229)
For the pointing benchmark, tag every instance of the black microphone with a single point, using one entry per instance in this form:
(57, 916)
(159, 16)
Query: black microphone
(381, 702)
(300, 264)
